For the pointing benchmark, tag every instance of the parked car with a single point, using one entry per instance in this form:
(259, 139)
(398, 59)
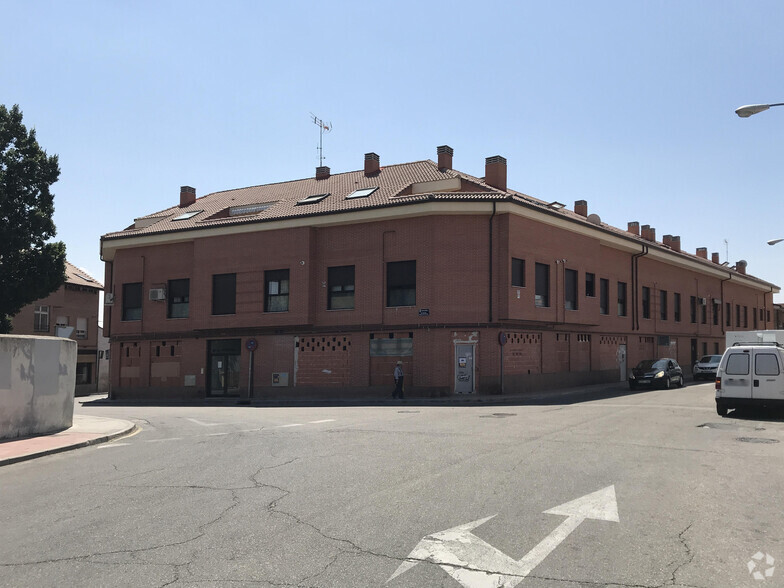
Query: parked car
(750, 375)
(662, 373)
(706, 367)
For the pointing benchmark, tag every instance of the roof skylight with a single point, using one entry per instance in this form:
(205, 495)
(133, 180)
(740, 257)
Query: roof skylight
(363, 193)
(187, 215)
(249, 208)
(556, 205)
(313, 199)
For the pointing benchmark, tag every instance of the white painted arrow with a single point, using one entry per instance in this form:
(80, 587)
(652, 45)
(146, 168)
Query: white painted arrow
(476, 564)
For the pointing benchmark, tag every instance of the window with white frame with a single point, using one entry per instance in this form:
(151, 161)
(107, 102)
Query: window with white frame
(41, 319)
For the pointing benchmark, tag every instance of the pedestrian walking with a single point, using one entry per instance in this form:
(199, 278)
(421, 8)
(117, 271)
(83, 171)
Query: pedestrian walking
(398, 375)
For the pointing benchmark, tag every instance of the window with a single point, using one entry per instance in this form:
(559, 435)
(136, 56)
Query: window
(693, 308)
(766, 364)
(676, 303)
(715, 349)
(728, 311)
(249, 209)
(62, 321)
(705, 348)
(340, 284)
(363, 193)
(716, 311)
(187, 215)
(570, 289)
(663, 305)
(41, 319)
(224, 293)
(313, 199)
(590, 285)
(83, 373)
(604, 296)
(132, 302)
(179, 298)
(81, 328)
(745, 317)
(703, 311)
(646, 302)
(737, 315)
(542, 295)
(276, 291)
(518, 272)
(621, 298)
(754, 315)
(401, 283)
(737, 364)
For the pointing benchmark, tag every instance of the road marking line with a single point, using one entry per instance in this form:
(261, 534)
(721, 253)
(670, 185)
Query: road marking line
(162, 440)
(249, 430)
(216, 434)
(111, 445)
(324, 421)
(292, 425)
(202, 423)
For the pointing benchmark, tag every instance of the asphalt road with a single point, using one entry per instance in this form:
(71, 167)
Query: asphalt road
(650, 489)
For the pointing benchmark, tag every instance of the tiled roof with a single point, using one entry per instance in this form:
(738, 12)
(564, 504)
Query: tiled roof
(394, 188)
(74, 275)
(391, 181)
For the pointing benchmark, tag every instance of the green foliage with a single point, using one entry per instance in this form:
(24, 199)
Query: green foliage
(30, 268)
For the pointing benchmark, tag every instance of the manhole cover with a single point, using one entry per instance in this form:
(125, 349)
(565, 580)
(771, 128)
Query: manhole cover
(497, 415)
(408, 412)
(756, 440)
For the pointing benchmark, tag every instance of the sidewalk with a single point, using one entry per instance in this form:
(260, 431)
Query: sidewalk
(86, 430)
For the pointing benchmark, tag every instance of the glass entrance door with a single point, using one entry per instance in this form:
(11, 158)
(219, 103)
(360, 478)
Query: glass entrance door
(223, 361)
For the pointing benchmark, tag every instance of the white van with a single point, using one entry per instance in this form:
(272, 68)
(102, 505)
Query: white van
(750, 375)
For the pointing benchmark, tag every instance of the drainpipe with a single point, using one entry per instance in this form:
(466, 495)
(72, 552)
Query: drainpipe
(635, 257)
(490, 270)
(724, 304)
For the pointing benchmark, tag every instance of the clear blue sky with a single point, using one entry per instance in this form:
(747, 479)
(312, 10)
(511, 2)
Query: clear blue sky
(628, 105)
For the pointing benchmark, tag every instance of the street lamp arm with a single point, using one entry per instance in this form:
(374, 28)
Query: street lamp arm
(774, 241)
(748, 110)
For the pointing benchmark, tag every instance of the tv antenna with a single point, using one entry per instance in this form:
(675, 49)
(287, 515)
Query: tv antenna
(323, 128)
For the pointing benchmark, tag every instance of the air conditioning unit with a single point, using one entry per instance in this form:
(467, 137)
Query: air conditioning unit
(157, 293)
(108, 298)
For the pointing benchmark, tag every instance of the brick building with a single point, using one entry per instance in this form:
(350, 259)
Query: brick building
(71, 311)
(335, 278)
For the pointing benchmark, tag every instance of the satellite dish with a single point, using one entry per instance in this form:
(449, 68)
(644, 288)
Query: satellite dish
(594, 218)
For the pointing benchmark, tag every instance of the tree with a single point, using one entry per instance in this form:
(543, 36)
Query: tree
(30, 268)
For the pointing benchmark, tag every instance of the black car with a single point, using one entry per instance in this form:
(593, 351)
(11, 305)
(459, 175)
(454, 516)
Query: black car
(661, 373)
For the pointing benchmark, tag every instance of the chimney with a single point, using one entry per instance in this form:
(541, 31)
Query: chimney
(702, 252)
(740, 267)
(495, 172)
(715, 257)
(667, 240)
(581, 207)
(445, 153)
(322, 173)
(371, 164)
(648, 233)
(634, 228)
(675, 242)
(187, 196)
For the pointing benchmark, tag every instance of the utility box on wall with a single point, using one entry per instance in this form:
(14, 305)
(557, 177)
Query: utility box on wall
(280, 379)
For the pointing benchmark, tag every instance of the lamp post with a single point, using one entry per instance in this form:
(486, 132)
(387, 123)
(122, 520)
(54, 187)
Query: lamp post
(748, 110)
(774, 241)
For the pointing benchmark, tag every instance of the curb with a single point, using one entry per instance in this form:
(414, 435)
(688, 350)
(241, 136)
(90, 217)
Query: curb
(102, 439)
